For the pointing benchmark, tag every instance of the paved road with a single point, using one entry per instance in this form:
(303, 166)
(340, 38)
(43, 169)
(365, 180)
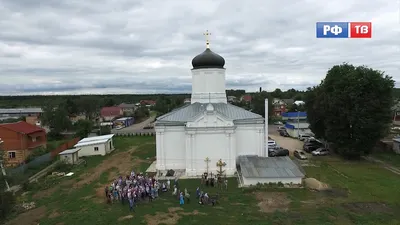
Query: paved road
(136, 128)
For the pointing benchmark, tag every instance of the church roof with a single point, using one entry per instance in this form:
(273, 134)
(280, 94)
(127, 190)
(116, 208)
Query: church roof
(188, 113)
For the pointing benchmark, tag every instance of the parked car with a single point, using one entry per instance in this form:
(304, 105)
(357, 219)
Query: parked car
(303, 137)
(320, 152)
(278, 123)
(309, 147)
(281, 128)
(271, 143)
(278, 151)
(300, 154)
(284, 133)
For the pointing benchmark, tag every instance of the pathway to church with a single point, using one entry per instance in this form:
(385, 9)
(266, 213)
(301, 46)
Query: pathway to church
(284, 142)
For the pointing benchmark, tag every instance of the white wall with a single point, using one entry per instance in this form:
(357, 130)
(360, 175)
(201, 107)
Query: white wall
(88, 150)
(208, 85)
(214, 145)
(254, 181)
(171, 147)
(295, 132)
(250, 139)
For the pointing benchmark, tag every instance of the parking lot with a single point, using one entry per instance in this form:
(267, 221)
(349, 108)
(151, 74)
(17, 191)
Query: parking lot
(285, 142)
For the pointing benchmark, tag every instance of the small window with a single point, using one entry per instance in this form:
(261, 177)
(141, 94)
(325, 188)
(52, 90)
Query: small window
(96, 149)
(34, 139)
(11, 155)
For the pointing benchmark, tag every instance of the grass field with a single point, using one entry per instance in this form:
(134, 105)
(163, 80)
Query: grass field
(363, 193)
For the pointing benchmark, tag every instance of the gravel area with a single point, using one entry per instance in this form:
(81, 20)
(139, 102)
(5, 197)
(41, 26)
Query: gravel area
(285, 142)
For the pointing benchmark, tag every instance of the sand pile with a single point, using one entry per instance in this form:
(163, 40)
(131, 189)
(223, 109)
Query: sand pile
(315, 184)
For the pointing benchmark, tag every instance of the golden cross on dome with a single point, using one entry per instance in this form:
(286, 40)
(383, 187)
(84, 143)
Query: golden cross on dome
(207, 34)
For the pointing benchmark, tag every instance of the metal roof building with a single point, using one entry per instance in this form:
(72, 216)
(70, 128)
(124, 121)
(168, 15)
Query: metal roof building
(99, 145)
(255, 169)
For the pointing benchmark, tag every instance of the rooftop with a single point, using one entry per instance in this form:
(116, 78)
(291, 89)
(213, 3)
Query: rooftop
(294, 114)
(94, 140)
(69, 151)
(20, 110)
(22, 127)
(268, 167)
(190, 112)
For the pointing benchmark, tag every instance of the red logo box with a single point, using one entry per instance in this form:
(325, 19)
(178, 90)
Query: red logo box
(360, 30)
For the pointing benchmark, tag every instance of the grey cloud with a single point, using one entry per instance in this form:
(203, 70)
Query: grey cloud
(111, 46)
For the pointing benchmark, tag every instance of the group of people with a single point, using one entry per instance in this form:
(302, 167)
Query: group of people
(134, 188)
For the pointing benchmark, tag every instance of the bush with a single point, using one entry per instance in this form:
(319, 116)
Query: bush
(62, 167)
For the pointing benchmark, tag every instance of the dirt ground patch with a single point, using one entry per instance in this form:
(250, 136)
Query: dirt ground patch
(121, 161)
(54, 214)
(48, 192)
(125, 217)
(30, 217)
(170, 218)
(367, 207)
(272, 201)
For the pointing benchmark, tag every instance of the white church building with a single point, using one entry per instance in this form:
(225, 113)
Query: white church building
(208, 128)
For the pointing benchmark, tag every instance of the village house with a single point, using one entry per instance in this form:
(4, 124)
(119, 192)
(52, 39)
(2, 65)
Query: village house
(147, 103)
(127, 108)
(19, 139)
(246, 98)
(186, 101)
(76, 118)
(279, 107)
(110, 113)
(232, 99)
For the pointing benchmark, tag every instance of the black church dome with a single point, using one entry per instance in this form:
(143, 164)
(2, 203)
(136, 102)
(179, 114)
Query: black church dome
(208, 59)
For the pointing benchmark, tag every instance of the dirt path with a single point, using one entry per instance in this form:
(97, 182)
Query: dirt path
(383, 164)
(285, 142)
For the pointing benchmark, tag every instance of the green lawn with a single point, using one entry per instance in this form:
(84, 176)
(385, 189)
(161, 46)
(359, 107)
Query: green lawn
(389, 157)
(362, 193)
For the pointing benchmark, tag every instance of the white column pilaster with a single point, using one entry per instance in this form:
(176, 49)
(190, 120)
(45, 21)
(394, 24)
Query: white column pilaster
(158, 152)
(193, 148)
(163, 152)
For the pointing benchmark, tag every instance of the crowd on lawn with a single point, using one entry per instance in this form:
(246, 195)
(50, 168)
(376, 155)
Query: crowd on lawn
(134, 188)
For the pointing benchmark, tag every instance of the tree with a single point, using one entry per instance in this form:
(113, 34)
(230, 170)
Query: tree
(109, 102)
(83, 128)
(258, 104)
(71, 107)
(56, 118)
(277, 93)
(7, 199)
(351, 108)
(88, 105)
(141, 112)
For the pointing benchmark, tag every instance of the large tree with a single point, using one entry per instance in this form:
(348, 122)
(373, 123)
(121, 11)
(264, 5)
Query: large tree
(351, 108)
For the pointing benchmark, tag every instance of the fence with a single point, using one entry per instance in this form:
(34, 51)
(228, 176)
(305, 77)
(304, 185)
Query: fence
(151, 133)
(46, 158)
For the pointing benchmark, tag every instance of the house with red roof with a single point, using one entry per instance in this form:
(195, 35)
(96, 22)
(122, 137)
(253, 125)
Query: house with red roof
(19, 140)
(147, 103)
(110, 113)
(246, 98)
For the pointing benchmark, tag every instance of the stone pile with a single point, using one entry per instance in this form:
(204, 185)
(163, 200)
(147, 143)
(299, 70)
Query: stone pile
(28, 205)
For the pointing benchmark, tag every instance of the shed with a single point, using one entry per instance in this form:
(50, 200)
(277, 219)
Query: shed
(99, 145)
(70, 156)
(396, 145)
(264, 170)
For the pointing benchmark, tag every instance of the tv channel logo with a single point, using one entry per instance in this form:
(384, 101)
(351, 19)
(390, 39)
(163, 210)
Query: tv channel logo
(344, 29)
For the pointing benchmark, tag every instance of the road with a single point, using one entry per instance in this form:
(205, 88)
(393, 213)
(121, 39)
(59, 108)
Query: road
(136, 128)
(285, 142)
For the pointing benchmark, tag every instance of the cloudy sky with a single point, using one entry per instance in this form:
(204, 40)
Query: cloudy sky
(132, 46)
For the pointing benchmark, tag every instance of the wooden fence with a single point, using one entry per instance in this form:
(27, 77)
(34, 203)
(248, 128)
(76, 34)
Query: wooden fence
(63, 147)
